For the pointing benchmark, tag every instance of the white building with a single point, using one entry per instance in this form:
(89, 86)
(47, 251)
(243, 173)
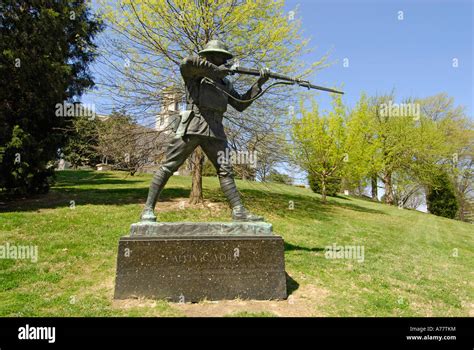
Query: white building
(172, 103)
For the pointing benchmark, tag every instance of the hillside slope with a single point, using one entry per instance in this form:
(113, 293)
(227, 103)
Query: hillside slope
(414, 264)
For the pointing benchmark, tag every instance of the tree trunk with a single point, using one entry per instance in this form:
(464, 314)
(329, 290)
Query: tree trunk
(323, 189)
(360, 188)
(196, 190)
(387, 181)
(462, 208)
(374, 188)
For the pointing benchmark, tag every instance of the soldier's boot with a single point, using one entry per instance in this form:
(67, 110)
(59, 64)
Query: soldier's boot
(239, 213)
(157, 184)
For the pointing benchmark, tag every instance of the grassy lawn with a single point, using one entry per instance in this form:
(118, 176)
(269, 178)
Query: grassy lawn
(415, 264)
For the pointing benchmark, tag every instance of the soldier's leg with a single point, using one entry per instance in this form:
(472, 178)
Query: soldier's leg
(176, 154)
(215, 150)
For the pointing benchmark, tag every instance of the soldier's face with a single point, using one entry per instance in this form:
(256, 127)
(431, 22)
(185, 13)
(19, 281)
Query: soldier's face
(215, 58)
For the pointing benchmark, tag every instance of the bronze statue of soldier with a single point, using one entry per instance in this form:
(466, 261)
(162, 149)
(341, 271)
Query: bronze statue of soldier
(208, 93)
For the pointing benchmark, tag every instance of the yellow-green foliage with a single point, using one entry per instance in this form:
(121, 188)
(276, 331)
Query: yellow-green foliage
(319, 140)
(155, 35)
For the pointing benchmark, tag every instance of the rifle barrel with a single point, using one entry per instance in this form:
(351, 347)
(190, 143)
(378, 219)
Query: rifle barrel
(256, 72)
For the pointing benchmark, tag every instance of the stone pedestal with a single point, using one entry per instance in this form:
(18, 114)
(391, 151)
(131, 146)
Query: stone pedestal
(189, 262)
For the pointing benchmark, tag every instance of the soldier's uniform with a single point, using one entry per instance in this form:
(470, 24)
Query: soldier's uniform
(202, 126)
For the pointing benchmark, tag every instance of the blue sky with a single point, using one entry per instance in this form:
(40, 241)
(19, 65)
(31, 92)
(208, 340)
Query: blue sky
(414, 56)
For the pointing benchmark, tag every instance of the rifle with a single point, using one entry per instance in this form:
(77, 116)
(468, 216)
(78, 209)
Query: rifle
(235, 68)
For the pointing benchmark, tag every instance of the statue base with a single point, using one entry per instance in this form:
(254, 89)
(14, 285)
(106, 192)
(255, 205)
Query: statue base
(189, 262)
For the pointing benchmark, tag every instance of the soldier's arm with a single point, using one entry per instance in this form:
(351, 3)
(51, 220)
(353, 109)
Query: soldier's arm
(195, 67)
(254, 90)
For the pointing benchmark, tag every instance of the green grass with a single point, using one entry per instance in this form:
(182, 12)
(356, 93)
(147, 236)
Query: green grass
(415, 264)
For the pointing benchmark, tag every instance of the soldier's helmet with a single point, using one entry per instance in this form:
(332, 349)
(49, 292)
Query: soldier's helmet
(216, 46)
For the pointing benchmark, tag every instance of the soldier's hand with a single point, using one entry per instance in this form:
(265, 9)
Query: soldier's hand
(224, 69)
(264, 76)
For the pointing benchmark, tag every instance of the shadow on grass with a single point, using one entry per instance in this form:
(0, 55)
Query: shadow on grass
(259, 200)
(341, 197)
(89, 177)
(290, 247)
(358, 208)
(304, 206)
(62, 197)
(291, 285)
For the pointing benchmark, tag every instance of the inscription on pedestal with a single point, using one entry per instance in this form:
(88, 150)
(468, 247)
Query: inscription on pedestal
(194, 268)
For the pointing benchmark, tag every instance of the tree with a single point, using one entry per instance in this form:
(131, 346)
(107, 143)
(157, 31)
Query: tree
(406, 145)
(332, 185)
(319, 143)
(281, 178)
(82, 142)
(45, 51)
(152, 37)
(407, 190)
(127, 146)
(463, 176)
(197, 159)
(441, 198)
(458, 158)
(363, 148)
(450, 143)
(398, 142)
